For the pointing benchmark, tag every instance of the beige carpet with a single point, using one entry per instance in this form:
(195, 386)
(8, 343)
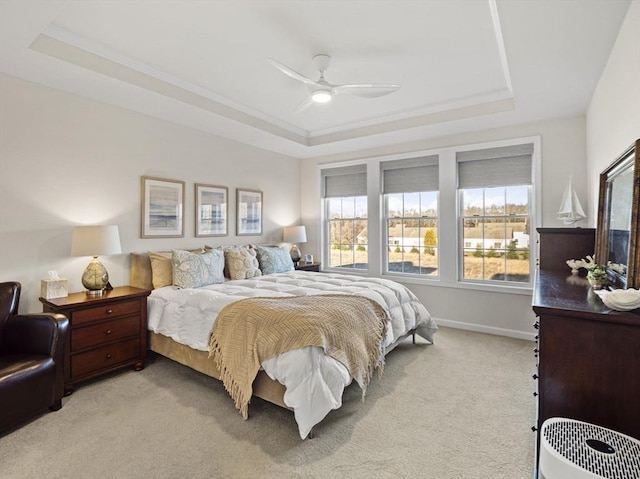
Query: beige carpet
(461, 408)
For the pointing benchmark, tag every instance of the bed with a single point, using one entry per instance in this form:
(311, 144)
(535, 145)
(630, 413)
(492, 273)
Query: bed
(304, 380)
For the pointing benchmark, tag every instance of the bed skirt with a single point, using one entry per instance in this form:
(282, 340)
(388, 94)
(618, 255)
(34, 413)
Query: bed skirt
(263, 387)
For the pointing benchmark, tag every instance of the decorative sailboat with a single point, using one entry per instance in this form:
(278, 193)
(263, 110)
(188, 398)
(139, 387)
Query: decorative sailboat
(570, 211)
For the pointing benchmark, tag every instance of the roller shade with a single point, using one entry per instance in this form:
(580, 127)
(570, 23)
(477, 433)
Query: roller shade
(501, 166)
(344, 181)
(410, 175)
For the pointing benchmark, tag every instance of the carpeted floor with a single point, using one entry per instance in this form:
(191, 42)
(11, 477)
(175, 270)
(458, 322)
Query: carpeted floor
(461, 408)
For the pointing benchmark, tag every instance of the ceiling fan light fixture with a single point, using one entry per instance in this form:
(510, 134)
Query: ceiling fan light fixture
(321, 91)
(321, 96)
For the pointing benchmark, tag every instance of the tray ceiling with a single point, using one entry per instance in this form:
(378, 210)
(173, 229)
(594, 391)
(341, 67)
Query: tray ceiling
(461, 65)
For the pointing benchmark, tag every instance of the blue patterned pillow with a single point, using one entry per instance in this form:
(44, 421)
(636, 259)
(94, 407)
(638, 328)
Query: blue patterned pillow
(274, 260)
(191, 270)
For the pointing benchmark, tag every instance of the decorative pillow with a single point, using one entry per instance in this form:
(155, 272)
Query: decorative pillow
(241, 262)
(161, 269)
(274, 260)
(192, 270)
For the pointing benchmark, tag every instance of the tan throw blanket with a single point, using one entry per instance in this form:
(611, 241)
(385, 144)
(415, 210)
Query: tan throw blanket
(349, 328)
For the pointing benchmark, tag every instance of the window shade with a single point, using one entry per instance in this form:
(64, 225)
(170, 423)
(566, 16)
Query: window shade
(502, 166)
(344, 181)
(410, 175)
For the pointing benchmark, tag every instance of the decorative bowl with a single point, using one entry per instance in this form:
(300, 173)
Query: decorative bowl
(620, 299)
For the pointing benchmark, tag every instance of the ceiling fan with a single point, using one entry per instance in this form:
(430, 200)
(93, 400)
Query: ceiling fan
(321, 91)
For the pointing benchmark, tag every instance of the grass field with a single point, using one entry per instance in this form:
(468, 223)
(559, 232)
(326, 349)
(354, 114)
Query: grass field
(494, 268)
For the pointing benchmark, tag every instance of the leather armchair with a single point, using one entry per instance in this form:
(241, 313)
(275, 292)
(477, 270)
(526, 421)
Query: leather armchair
(31, 359)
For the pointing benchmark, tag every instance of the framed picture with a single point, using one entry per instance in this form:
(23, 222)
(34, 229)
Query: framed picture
(249, 212)
(212, 209)
(162, 208)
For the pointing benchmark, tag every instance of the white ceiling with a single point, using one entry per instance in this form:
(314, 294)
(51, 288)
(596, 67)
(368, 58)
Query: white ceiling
(462, 64)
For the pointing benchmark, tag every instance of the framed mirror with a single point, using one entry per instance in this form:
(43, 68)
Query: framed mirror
(617, 241)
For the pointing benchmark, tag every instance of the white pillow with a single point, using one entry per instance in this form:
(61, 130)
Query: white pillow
(191, 270)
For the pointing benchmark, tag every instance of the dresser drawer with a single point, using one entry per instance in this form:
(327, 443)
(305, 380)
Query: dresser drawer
(97, 313)
(104, 357)
(106, 331)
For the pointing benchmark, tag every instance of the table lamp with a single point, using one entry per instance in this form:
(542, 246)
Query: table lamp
(94, 241)
(294, 234)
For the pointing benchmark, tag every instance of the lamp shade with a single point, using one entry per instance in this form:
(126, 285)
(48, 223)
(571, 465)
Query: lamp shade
(294, 234)
(95, 240)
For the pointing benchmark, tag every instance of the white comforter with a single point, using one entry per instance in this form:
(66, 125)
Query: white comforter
(314, 382)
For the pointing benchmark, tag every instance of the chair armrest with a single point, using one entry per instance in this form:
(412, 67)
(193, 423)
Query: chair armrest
(37, 333)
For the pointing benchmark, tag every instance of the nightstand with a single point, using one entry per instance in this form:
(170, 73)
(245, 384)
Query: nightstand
(307, 267)
(108, 332)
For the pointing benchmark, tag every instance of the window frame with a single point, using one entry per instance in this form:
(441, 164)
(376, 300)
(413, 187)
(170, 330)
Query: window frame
(386, 244)
(327, 252)
(495, 245)
(343, 169)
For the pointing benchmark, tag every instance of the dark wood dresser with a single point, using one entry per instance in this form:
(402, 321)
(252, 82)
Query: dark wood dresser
(588, 355)
(107, 332)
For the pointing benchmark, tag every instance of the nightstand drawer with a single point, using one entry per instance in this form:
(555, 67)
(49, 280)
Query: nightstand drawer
(104, 357)
(113, 330)
(105, 311)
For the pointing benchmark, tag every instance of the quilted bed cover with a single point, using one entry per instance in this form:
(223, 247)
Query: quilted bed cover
(314, 382)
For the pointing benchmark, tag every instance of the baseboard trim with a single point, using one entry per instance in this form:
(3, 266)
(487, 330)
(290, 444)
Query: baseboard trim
(480, 328)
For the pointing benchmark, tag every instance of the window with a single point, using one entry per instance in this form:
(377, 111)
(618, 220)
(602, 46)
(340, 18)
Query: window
(456, 216)
(345, 225)
(494, 196)
(410, 189)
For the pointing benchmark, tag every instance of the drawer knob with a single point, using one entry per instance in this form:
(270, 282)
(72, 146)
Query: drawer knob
(109, 311)
(108, 356)
(535, 394)
(108, 331)
(535, 376)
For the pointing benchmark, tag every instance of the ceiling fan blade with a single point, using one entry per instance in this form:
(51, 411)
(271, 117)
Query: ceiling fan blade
(367, 90)
(304, 105)
(291, 73)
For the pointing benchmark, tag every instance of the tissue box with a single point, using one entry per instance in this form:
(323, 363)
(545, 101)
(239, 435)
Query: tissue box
(54, 288)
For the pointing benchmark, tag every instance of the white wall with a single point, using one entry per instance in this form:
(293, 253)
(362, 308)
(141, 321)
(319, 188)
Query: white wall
(67, 160)
(563, 153)
(613, 117)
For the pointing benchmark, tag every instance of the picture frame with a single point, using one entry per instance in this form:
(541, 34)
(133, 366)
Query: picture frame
(248, 212)
(162, 208)
(212, 210)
